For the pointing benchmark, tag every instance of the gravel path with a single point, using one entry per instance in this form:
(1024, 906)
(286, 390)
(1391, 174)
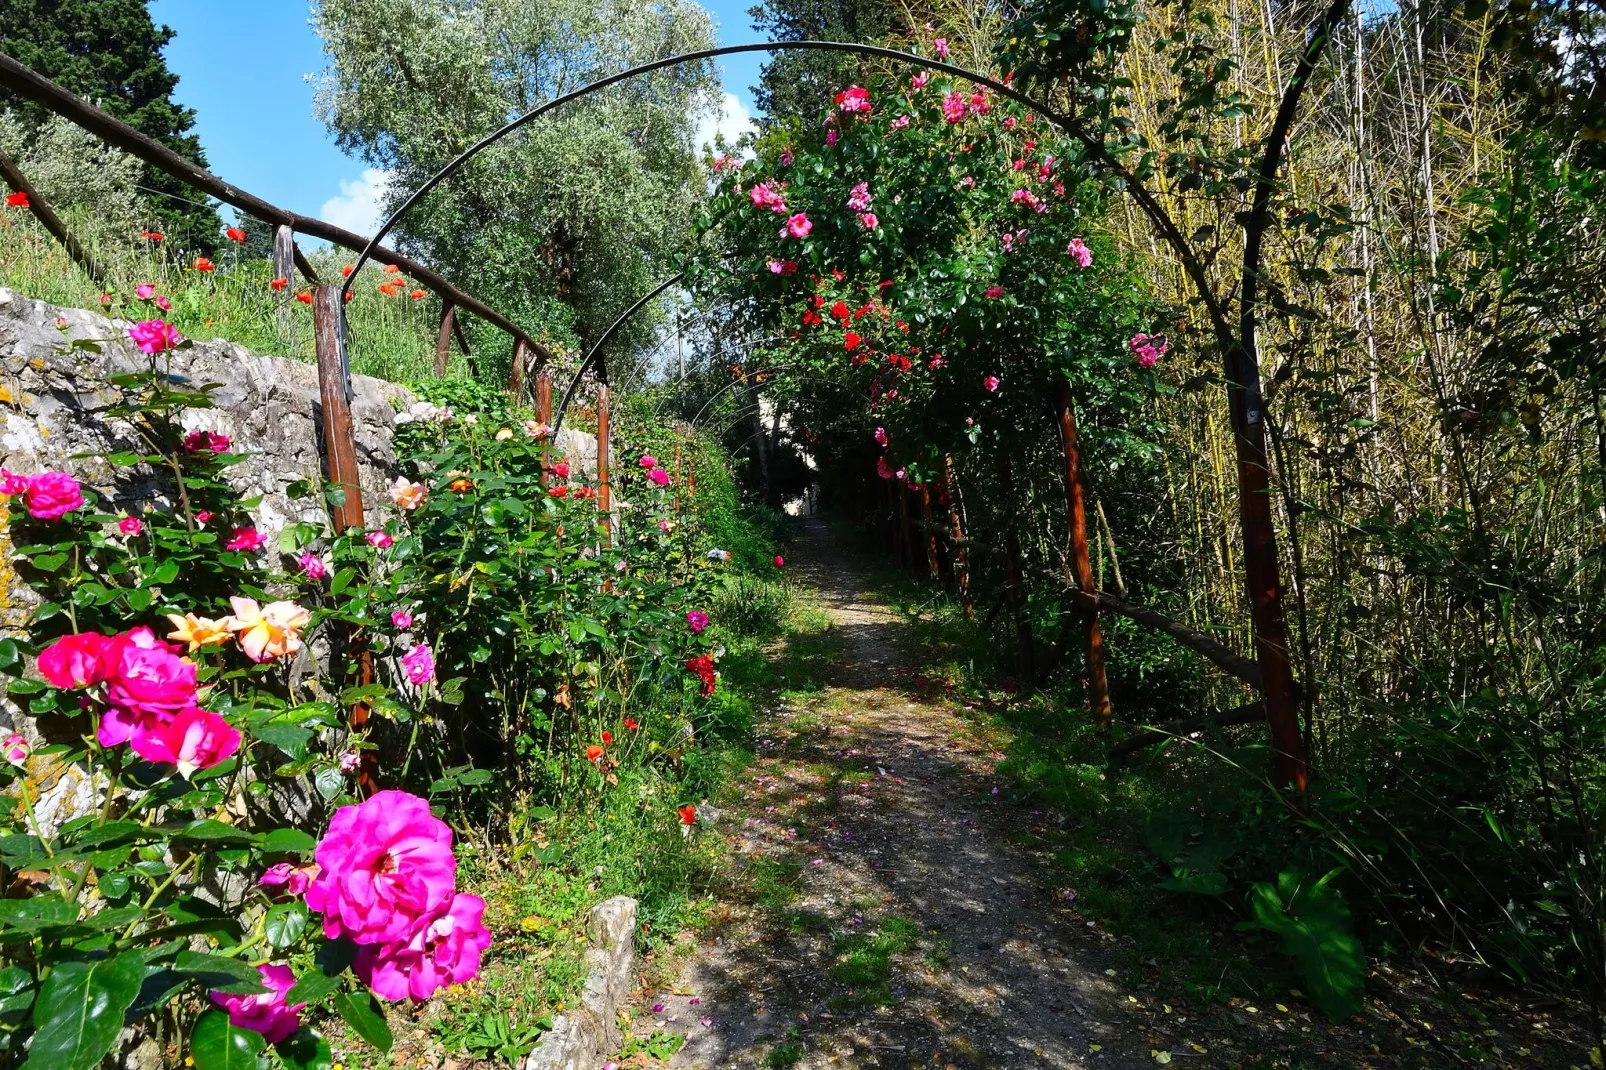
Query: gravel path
(896, 922)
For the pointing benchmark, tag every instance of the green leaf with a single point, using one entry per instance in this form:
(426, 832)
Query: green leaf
(218, 1045)
(38, 913)
(16, 990)
(80, 1012)
(290, 738)
(1313, 924)
(167, 573)
(306, 1050)
(230, 976)
(288, 841)
(329, 782)
(312, 988)
(363, 1013)
(208, 830)
(285, 923)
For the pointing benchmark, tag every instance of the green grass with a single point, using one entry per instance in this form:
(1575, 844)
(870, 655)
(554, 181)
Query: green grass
(864, 959)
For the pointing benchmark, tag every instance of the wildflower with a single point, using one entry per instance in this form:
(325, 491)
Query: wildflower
(245, 539)
(267, 633)
(145, 291)
(444, 950)
(278, 285)
(154, 336)
(664, 526)
(61, 323)
(202, 264)
(840, 311)
(131, 525)
(380, 540)
(954, 106)
(346, 270)
(152, 235)
(703, 667)
(853, 99)
(698, 621)
(295, 879)
(401, 619)
(900, 122)
(197, 441)
(881, 468)
(607, 738)
(419, 295)
(392, 269)
(419, 664)
(195, 739)
(779, 562)
(408, 495)
(798, 226)
(630, 723)
(304, 296)
(390, 289)
(536, 430)
(941, 46)
(235, 234)
(994, 292)
(967, 182)
(593, 753)
(935, 362)
(16, 750)
(919, 81)
(979, 104)
(17, 200)
(46, 496)
(198, 633)
(1080, 253)
(313, 567)
(386, 866)
(990, 383)
(659, 476)
(267, 1012)
(688, 814)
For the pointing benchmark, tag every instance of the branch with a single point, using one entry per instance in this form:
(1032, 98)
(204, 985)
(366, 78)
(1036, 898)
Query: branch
(1248, 713)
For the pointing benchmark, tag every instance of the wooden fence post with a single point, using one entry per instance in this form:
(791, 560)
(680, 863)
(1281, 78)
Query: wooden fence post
(1098, 689)
(515, 379)
(961, 551)
(443, 338)
(284, 267)
(50, 220)
(604, 497)
(1017, 584)
(340, 456)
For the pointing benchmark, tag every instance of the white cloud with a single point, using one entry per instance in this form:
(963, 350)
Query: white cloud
(732, 119)
(358, 206)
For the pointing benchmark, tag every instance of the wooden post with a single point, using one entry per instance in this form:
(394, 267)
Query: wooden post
(1098, 684)
(1017, 585)
(515, 379)
(961, 552)
(543, 409)
(340, 457)
(50, 220)
(604, 498)
(929, 531)
(443, 338)
(284, 267)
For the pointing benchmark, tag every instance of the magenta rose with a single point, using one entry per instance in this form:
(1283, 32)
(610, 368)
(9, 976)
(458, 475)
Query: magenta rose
(146, 682)
(266, 1012)
(46, 496)
(75, 660)
(195, 739)
(386, 864)
(444, 950)
(154, 336)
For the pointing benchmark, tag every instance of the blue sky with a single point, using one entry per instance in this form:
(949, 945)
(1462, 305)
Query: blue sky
(243, 67)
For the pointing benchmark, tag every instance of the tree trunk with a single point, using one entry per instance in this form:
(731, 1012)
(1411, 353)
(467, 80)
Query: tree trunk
(1098, 685)
(961, 554)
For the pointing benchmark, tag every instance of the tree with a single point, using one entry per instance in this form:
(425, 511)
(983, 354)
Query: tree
(568, 221)
(110, 53)
(800, 84)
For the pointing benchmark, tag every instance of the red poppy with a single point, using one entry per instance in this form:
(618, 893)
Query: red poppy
(688, 814)
(392, 269)
(278, 285)
(152, 235)
(203, 264)
(235, 234)
(607, 738)
(419, 295)
(390, 289)
(305, 297)
(349, 296)
(346, 271)
(593, 753)
(630, 723)
(851, 341)
(17, 200)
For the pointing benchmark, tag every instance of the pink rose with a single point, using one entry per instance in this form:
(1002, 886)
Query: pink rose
(659, 476)
(561, 470)
(994, 292)
(387, 865)
(402, 619)
(350, 761)
(203, 516)
(130, 525)
(146, 683)
(798, 226)
(266, 1012)
(46, 496)
(869, 220)
(196, 441)
(312, 566)
(145, 291)
(164, 304)
(990, 383)
(75, 660)
(293, 879)
(1080, 253)
(154, 336)
(16, 750)
(698, 621)
(780, 562)
(245, 539)
(444, 950)
(648, 461)
(900, 122)
(380, 540)
(195, 739)
(419, 664)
